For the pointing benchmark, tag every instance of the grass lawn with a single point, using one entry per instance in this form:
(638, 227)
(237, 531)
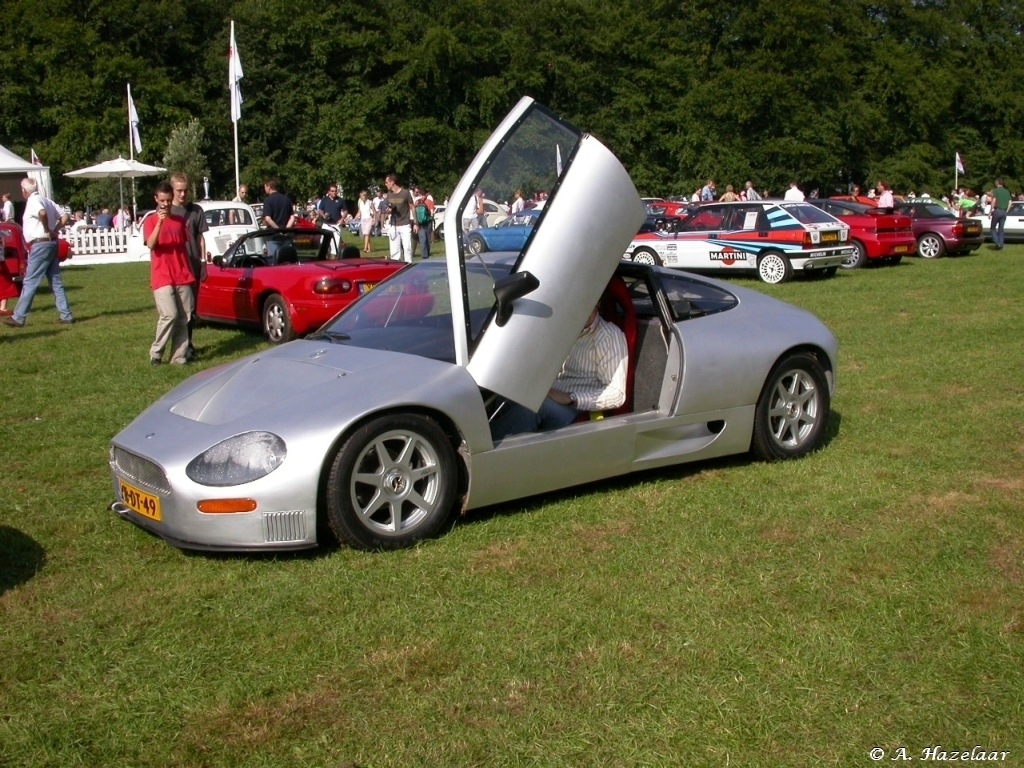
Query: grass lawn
(727, 613)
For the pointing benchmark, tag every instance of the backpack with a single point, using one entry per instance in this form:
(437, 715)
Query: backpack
(422, 214)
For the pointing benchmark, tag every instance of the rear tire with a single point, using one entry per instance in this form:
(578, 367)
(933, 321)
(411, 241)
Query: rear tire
(277, 323)
(774, 268)
(931, 246)
(476, 245)
(793, 409)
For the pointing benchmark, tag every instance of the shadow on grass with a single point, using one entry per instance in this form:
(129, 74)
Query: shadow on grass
(21, 557)
(236, 343)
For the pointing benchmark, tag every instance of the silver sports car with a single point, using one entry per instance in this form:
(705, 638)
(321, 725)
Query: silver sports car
(377, 427)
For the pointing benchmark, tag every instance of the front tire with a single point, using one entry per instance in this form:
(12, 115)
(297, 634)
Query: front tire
(476, 245)
(774, 268)
(277, 323)
(858, 258)
(793, 409)
(931, 246)
(392, 483)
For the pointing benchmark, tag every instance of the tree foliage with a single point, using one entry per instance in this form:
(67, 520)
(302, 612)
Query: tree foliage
(825, 92)
(185, 155)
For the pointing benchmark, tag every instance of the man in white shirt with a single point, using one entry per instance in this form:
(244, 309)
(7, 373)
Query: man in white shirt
(885, 199)
(793, 194)
(593, 378)
(40, 223)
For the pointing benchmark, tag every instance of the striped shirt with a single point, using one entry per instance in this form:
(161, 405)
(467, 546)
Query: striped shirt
(594, 373)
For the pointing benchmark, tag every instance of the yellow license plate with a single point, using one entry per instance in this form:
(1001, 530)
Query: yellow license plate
(366, 287)
(145, 504)
(829, 237)
(975, 230)
(901, 249)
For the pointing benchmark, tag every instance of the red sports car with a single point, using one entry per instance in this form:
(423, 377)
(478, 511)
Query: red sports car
(875, 235)
(289, 282)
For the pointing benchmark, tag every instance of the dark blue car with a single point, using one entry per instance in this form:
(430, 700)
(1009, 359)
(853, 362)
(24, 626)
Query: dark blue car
(508, 235)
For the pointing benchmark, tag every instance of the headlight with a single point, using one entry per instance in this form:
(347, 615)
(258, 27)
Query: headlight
(239, 459)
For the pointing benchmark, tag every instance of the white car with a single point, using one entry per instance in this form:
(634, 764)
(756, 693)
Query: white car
(495, 212)
(227, 221)
(1014, 227)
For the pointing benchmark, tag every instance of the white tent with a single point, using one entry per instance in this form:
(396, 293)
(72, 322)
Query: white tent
(13, 169)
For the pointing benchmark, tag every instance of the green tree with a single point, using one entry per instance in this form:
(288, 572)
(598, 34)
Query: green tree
(185, 155)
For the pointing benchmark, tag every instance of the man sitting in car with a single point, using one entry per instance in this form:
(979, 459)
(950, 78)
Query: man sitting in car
(593, 378)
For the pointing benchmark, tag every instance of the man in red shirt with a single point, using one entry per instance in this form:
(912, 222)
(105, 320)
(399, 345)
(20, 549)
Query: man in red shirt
(170, 277)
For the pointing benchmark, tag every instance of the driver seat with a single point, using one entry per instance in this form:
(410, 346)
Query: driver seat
(616, 306)
(287, 254)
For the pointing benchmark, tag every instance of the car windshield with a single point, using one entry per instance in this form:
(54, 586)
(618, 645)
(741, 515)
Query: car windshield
(266, 248)
(411, 312)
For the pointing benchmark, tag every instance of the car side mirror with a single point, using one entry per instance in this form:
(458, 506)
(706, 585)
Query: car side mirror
(218, 260)
(508, 289)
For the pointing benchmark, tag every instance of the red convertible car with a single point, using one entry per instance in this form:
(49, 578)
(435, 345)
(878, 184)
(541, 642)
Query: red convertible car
(876, 235)
(288, 282)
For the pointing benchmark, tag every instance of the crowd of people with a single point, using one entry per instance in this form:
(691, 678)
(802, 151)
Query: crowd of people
(175, 237)
(963, 200)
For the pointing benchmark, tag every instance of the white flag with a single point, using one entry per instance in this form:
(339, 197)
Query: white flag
(35, 158)
(558, 159)
(133, 121)
(959, 164)
(234, 76)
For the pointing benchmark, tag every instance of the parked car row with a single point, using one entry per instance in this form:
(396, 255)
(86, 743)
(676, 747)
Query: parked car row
(777, 239)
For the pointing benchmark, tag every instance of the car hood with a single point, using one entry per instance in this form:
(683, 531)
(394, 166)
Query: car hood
(292, 373)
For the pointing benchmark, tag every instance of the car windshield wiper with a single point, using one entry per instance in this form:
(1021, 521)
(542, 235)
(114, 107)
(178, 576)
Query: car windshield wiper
(331, 336)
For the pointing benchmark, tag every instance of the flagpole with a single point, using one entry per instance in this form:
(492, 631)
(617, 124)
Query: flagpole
(237, 178)
(235, 94)
(131, 152)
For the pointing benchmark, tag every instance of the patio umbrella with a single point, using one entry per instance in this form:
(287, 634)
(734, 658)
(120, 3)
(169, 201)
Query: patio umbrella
(120, 169)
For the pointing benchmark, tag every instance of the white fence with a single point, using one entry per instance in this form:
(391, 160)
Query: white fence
(99, 241)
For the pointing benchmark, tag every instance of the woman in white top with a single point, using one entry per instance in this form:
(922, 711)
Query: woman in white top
(518, 203)
(367, 211)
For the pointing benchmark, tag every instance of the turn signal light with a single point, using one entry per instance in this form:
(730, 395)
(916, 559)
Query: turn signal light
(225, 506)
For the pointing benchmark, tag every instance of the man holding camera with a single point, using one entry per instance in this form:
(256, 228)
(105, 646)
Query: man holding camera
(170, 277)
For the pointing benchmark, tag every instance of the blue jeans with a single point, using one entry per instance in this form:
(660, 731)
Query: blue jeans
(516, 419)
(998, 225)
(42, 261)
(426, 230)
